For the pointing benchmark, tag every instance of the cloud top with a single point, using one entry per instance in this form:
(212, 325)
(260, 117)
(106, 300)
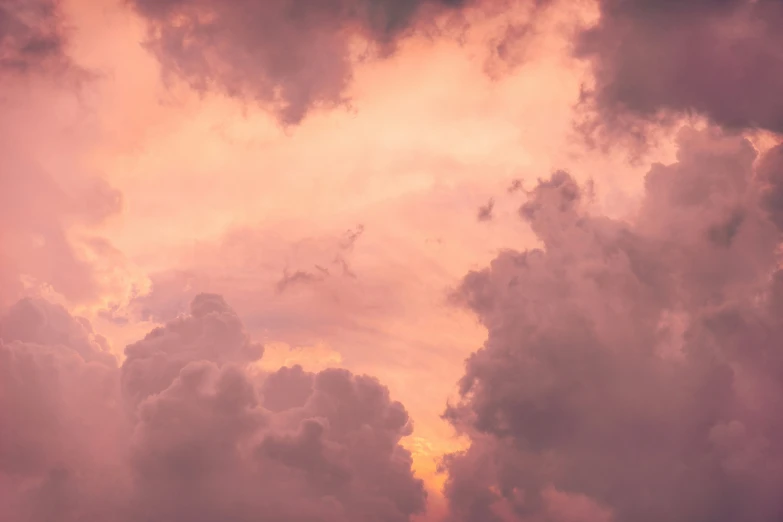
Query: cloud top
(632, 368)
(200, 436)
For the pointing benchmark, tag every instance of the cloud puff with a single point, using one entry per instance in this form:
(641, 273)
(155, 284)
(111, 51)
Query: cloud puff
(184, 430)
(212, 332)
(40, 322)
(632, 370)
(716, 58)
(279, 53)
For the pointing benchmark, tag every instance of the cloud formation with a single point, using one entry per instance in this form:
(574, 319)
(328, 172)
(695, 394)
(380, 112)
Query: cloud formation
(280, 53)
(652, 61)
(656, 60)
(632, 371)
(36, 215)
(43, 202)
(184, 430)
(32, 35)
(485, 211)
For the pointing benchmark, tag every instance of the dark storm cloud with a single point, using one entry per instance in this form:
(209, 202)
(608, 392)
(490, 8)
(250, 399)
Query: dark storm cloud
(633, 371)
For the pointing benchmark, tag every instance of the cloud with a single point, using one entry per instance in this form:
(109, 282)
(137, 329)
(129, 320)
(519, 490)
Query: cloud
(291, 286)
(654, 61)
(37, 215)
(61, 434)
(632, 370)
(485, 211)
(200, 436)
(278, 53)
(32, 36)
(770, 173)
(15, 192)
(211, 332)
(50, 202)
(40, 322)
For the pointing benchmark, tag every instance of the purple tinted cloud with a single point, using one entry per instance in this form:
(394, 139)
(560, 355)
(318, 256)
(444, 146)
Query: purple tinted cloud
(716, 58)
(632, 368)
(184, 430)
(285, 54)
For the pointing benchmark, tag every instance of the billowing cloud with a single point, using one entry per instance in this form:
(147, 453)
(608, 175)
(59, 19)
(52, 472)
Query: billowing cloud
(184, 430)
(281, 53)
(39, 322)
(654, 60)
(61, 432)
(211, 332)
(632, 370)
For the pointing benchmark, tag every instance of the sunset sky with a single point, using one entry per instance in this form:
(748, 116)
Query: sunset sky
(542, 237)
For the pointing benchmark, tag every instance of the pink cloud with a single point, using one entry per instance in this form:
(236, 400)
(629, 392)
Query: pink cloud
(658, 61)
(631, 371)
(197, 440)
(574, 388)
(277, 53)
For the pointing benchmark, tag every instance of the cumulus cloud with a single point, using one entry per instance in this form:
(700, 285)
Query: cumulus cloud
(770, 172)
(37, 321)
(656, 60)
(184, 430)
(211, 332)
(632, 370)
(60, 431)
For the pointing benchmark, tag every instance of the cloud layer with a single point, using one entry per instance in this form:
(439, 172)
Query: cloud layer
(717, 58)
(183, 430)
(280, 53)
(632, 369)
(651, 60)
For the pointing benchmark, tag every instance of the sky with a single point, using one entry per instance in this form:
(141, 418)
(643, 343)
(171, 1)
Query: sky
(391, 260)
